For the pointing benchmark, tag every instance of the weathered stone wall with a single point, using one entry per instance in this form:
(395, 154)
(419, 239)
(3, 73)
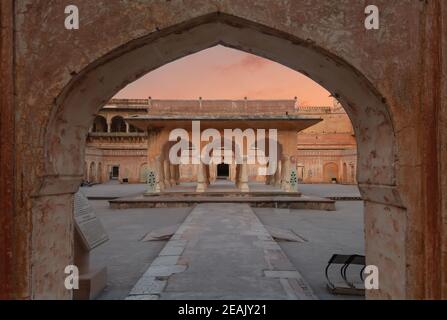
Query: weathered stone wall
(331, 142)
(442, 145)
(130, 159)
(312, 165)
(401, 63)
(8, 281)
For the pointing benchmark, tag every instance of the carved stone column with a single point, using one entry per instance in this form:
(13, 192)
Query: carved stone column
(208, 174)
(213, 173)
(243, 181)
(201, 178)
(177, 174)
(277, 176)
(237, 176)
(167, 171)
(285, 171)
(160, 185)
(173, 175)
(269, 180)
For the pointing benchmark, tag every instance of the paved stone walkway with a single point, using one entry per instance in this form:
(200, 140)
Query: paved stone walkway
(222, 251)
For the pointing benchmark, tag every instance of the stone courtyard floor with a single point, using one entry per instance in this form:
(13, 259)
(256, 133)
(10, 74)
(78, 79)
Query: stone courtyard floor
(222, 252)
(127, 258)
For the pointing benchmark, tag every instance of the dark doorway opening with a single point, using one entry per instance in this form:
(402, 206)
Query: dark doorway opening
(223, 171)
(115, 173)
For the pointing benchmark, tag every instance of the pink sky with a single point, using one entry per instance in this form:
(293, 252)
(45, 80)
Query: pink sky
(223, 73)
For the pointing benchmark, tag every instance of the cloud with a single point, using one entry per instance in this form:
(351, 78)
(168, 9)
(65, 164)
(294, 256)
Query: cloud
(253, 62)
(248, 62)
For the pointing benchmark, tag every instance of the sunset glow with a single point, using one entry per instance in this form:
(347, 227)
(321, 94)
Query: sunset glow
(223, 73)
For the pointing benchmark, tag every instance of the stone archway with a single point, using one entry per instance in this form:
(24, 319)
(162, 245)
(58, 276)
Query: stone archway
(96, 84)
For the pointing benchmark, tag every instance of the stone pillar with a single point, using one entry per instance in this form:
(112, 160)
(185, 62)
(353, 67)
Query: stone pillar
(201, 178)
(177, 174)
(237, 176)
(243, 181)
(276, 178)
(232, 173)
(167, 172)
(269, 180)
(109, 127)
(173, 175)
(285, 171)
(213, 173)
(208, 174)
(159, 168)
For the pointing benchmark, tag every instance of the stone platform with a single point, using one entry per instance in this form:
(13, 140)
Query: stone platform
(222, 252)
(253, 199)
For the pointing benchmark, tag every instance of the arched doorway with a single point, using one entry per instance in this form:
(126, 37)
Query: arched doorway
(366, 107)
(223, 171)
(330, 172)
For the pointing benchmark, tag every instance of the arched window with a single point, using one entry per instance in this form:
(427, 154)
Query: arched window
(118, 124)
(100, 124)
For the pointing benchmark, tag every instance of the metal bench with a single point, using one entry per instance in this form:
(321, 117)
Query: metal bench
(348, 287)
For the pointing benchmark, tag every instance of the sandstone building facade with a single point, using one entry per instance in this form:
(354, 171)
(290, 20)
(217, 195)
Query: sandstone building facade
(116, 150)
(326, 152)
